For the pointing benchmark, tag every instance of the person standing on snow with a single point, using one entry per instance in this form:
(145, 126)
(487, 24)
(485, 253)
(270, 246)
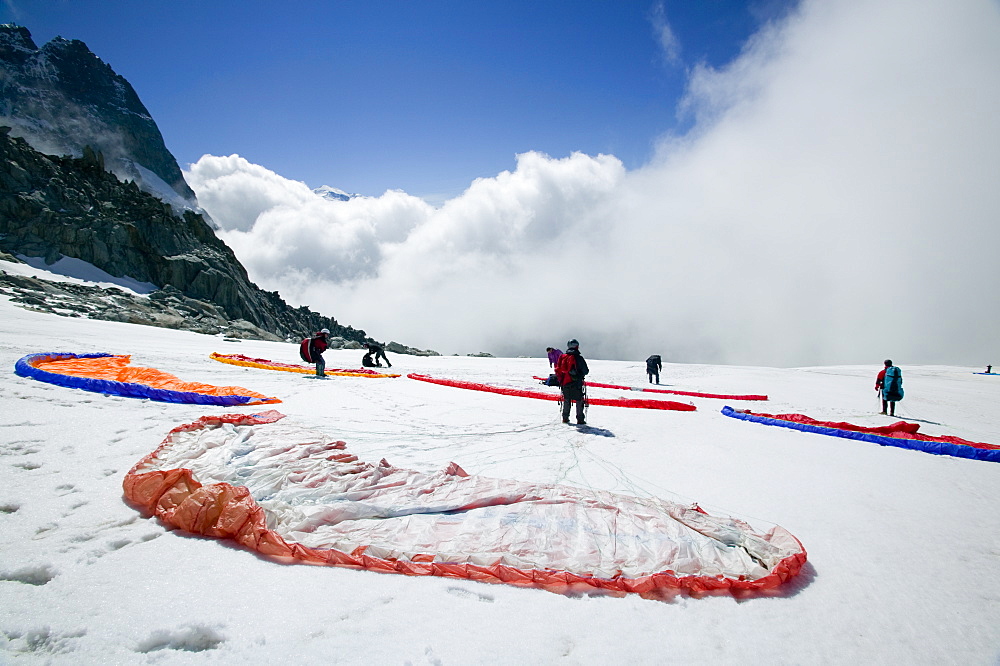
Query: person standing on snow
(317, 345)
(653, 367)
(890, 384)
(571, 368)
(377, 352)
(554, 355)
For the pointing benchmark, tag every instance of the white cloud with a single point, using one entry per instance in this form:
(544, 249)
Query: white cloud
(836, 202)
(670, 45)
(281, 230)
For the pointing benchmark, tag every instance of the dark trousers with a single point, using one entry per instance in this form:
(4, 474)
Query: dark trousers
(381, 354)
(320, 365)
(573, 392)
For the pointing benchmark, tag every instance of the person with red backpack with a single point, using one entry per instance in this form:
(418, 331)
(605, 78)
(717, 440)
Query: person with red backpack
(571, 368)
(311, 350)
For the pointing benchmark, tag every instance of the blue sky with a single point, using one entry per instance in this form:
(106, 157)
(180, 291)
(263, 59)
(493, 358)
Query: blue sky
(826, 201)
(419, 96)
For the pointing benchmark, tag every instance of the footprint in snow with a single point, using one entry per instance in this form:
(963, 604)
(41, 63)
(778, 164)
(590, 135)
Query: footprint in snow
(189, 638)
(469, 594)
(35, 574)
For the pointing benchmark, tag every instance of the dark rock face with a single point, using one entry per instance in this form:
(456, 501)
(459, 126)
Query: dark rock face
(63, 206)
(166, 308)
(62, 97)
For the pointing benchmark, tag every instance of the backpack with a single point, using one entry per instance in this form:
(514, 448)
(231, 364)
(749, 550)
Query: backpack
(567, 370)
(304, 350)
(893, 384)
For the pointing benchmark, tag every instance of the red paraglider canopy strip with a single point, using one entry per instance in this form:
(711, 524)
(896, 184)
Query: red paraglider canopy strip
(721, 396)
(524, 393)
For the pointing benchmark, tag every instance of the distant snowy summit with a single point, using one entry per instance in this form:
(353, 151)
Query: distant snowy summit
(333, 194)
(62, 98)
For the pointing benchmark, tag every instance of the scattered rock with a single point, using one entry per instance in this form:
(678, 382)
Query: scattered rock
(398, 348)
(164, 308)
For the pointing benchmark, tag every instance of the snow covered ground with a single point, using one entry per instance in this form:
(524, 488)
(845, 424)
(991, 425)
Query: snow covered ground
(904, 547)
(75, 271)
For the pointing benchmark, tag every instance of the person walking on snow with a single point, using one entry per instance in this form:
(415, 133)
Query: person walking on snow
(889, 384)
(554, 355)
(653, 367)
(571, 368)
(317, 345)
(377, 352)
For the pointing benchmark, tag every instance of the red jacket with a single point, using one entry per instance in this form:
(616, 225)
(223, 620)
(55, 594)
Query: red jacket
(880, 380)
(311, 348)
(319, 344)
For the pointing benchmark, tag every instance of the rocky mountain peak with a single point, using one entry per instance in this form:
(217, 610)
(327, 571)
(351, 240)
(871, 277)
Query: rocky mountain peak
(15, 42)
(62, 97)
(53, 207)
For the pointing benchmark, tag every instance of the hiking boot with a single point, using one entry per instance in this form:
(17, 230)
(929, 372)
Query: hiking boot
(565, 420)
(581, 423)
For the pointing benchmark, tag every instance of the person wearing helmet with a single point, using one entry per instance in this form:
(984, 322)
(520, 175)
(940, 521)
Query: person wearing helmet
(571, 368)
(377, 352)
(317, 345)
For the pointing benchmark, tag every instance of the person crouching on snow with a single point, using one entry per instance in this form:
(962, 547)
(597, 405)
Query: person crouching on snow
(317, 345)
(571, 368)
(376, 350)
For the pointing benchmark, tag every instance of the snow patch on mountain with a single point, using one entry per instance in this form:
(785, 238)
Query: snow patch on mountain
(334, 194)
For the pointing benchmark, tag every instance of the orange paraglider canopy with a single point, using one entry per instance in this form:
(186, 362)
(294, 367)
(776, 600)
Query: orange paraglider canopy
(297, 495)
(265, 364)
(106, 373)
